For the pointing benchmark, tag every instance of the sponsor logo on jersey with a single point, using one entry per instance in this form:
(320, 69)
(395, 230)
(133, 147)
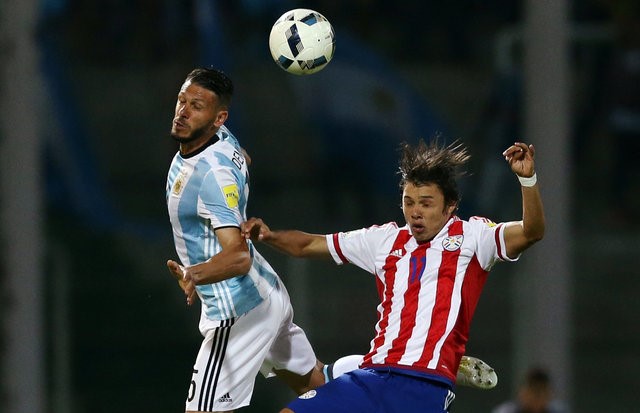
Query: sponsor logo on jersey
(452, 243)
(308, 395)
(225, 399)
(397, 253)
(231, 195)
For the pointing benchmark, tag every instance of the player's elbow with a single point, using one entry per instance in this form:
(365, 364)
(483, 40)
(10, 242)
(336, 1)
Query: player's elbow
(243, 263)
(534, 235)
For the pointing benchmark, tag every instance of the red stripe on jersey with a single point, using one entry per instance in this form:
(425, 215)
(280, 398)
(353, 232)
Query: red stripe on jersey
(385, 289)
(497, 236)
(455, 344)
(336, 245)
(442, 305)
(417, 265)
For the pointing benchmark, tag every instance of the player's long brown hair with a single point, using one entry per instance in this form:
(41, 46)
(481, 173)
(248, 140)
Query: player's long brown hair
(434, 163)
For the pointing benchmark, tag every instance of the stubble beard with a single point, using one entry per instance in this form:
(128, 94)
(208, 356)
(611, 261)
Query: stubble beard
(195, 135)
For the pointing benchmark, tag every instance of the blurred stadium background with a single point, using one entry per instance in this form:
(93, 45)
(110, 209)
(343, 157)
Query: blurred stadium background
(92, 322)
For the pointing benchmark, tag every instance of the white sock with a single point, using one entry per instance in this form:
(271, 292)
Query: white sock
(341, 366)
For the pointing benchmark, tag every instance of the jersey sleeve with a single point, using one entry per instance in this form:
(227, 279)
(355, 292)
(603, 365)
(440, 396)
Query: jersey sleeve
(491, 247)
(219, 198)
(356, 247)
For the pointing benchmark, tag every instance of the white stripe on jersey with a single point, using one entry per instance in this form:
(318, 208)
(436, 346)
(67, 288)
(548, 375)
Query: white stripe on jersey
(428, 291)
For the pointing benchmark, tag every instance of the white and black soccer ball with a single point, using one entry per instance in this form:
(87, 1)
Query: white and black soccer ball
(302, 41)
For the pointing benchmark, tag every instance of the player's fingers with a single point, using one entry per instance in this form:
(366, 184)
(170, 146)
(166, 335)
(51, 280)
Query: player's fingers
(248, 227)
(508, 153)
(532, 150)
(245, 229)
(191, 297)
(264, 232)
(174, 269)
(186, 275)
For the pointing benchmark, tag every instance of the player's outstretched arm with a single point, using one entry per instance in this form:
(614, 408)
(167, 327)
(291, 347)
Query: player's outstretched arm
(521, 235)
(291, 242)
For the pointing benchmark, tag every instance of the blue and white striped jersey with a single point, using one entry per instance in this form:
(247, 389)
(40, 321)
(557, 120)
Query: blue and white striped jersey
(205, 191)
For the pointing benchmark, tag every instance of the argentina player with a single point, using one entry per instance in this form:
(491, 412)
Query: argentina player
(246, 315)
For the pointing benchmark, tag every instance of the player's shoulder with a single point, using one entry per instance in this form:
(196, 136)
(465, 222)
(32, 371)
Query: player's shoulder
(226, 137)
(480, 221)
(479, 224)
(223, 150)
(373, 230)
(386, 227)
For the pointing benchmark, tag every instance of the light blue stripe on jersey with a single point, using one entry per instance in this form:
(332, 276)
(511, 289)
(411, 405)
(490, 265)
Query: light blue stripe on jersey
(262, 267)
(215, 202)
(221, 298)
(193, 226)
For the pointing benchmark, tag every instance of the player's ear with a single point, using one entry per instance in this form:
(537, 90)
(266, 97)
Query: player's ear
(451, 208)
(221, 118)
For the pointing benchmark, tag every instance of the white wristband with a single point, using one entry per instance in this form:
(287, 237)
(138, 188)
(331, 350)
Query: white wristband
(530, 181)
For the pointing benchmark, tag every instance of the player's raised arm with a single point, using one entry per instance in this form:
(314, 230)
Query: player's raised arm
(522, 234)
(291, 242)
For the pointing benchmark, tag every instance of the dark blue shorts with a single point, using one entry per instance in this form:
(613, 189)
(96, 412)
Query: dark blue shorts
(373, 391)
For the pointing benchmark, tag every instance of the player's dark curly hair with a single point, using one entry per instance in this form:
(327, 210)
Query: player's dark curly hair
(433, 163)
(214, 80)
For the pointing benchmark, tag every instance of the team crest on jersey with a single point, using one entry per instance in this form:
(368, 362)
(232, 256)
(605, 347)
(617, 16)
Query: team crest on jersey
(453, 242)
(308, 395)
(178, 185)
(231, 195)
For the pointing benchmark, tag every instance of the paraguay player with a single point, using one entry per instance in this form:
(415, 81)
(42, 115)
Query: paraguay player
(429, 273)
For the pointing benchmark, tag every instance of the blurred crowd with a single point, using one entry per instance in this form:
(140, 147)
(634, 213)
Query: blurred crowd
(606, 68)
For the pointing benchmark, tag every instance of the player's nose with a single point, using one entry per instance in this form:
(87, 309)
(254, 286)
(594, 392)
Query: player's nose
(183, 112)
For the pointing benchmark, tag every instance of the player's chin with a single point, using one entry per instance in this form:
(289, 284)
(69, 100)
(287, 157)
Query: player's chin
(418, 233)
(180, 137)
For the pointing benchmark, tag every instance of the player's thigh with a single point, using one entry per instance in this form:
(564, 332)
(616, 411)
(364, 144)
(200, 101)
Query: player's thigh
(417, 395)
(291, 349)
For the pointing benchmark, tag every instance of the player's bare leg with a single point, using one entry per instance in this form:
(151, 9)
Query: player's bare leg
(302, 384)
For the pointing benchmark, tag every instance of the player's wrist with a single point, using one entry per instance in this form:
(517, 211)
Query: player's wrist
(528, 181)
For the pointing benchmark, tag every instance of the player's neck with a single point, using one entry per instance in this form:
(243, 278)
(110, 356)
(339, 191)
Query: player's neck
(188, 149)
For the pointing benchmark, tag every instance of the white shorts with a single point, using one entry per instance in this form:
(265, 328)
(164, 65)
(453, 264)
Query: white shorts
(233, 351)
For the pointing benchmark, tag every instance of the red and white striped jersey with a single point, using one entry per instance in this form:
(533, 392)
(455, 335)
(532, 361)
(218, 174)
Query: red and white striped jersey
(428, 291)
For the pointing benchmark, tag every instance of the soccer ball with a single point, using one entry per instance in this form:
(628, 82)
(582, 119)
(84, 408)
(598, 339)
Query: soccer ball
(302, 41)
